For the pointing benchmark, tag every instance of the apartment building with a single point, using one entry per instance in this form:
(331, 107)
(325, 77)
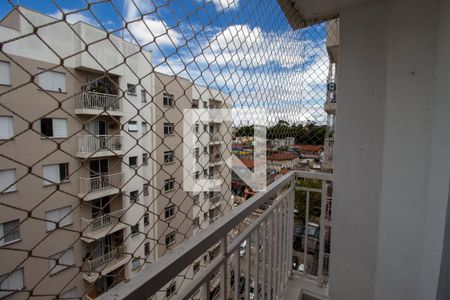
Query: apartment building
(104, 193)
(81, 206)
(184, 213)
(332, 45)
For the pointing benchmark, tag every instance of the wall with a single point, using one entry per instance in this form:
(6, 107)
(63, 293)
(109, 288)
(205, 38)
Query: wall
(392, 162)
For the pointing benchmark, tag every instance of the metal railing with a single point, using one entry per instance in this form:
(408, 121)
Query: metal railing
(268, 238)
(100, 222)
(98, 101)
(100, 183)
(90, 265)
(95, 143)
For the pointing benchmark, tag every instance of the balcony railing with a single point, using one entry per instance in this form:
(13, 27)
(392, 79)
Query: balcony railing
(100, 183)
(101, 222)
(215, 157)
(91, 265)
(94, 144)
(98, 101)
(261, 252)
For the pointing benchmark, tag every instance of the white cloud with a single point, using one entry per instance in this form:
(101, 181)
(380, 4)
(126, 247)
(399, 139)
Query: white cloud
(225, 4)
(76, 17)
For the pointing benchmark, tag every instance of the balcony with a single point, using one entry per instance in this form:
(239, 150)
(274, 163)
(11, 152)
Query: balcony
(215, 158)
(99, 227)
(90, 146)
(100, 186)
(259, 252)
(93, 103)
(327, 160)
(104, 264)
(216, 138)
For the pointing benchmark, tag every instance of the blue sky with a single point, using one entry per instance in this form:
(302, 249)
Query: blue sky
(245, 48)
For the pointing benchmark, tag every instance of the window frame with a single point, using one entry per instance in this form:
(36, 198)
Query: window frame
(169, 212)
(9, 82)
(146, 219)
(169, 181)
(10, 130)
(4, 278)
(170, 128)
(61, 218)
(133, 127)
(3, 235)
(52, 128)
(134, 197)
(168, 100)
(145, 189)
(169, 239)
(43, 71)
(145, 157)
(134, 231)
(61, 178)
(143, 96)
(131, 89)
(170, 154)
(130, 165)
(13, 187)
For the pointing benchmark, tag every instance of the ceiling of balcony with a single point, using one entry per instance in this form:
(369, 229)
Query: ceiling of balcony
(301, 13)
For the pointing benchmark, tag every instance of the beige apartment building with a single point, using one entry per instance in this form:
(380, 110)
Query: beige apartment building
(90, 172)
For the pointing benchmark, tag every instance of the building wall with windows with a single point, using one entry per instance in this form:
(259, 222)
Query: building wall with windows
(71, 140)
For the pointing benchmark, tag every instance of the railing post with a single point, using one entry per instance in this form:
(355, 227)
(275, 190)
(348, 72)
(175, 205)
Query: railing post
(247, 267)
(256, 280)
(223, 276)
(305, 248)
(323, 205)
(264, 267)
(237, 273)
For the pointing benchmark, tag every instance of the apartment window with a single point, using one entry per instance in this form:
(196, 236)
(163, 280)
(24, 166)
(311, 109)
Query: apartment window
(168, 157)
(131, 89)
(196, 128)
(167, 99)
(6, 128)
(52, 81)
(132, 126)
(196, 222)
(171, 289)
(54, 174)
(147, 249)
(196, 199)
(168, 128)
(70, 294)
(196, 267)
(169, 212)
(196, 153)
(146, 219)
(5, 73)
(194, 103)
(143, 96)
(9, 232)
(54, 127)
(170, 238)
(145, 189)
(196, 175)
(134, 196)
(145, 159)
(205, 172)
(133, 161)
(144, 127)
(205, 104)
(205, 128)
(205, 216)
(135, 229)
(61, 261)
(7, 180)
(11, 282)
(169, 185)
(205, 149)
(62, 216)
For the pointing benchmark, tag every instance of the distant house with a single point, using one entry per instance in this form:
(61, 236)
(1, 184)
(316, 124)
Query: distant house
(282, 160)
(309, 151)
(238, 186)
